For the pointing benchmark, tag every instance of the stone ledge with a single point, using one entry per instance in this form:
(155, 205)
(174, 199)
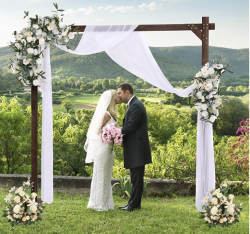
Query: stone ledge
(81, 185)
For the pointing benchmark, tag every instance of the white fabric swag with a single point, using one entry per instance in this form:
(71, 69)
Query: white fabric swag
(130, 50)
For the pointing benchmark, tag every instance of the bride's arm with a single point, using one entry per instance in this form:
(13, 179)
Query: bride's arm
(106, 118)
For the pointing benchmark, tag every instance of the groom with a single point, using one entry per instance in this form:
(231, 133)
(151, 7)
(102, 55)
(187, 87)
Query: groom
(136, 146)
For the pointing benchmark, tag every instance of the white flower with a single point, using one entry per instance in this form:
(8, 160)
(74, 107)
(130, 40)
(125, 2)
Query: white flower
(33, 206)
(216, 192)
(212, 118)
(208, 85)
(17, 199)
(49, 27)
(230, 207)
(39, 61)
(8, 197)
(25, 62)
(16, 209)
(205, 199)
(29, 39)
(55, 31)
(35, 83)
(219, 195)
(23, 41)
(61, 25)
(35, 52)
(41, 41)
(211, 71)
(30, 50)
(218, 102)
(217, 66)
(39, 32)
(34, 39)
(35, 26)
(214, 201)
(199, 94)
(19, 36)
(33, 195)
(28, 34)
(12, 189)
(198, 106)
(204, 113)
(214, 210)
(204, 106)
(18, 46)
(66, 39)
(71, 35)
(204, 73)
(231, 196)
(199, 74)
(31, 72)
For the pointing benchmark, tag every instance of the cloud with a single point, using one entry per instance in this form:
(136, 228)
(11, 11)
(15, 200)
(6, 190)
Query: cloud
(87, 11)
(113, 9)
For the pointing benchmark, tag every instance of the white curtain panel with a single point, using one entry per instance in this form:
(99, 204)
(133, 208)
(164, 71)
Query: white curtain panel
(47, 133)
(130, 50)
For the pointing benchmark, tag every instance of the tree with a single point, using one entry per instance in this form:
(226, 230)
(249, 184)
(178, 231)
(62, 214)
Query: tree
(105, 84)
(67, 104)
(15, 134)
(69, 137)
(231, 113)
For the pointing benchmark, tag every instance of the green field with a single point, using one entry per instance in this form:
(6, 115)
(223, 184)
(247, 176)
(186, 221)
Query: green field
(68, 214)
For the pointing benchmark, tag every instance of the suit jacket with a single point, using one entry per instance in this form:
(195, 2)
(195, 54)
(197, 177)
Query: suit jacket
(135, 141)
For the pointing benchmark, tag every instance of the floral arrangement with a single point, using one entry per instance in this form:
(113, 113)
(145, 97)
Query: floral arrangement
(238, 149)
(206, 90)
(31, 41)
(22, 207)
(219, 207)
(110, 133)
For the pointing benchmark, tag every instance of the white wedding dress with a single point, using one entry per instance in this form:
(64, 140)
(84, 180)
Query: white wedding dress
(101, 191)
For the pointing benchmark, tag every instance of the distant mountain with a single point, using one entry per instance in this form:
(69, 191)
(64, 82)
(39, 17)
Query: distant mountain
(177, 63)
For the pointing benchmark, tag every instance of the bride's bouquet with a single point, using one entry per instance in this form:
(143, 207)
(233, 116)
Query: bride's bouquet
(110, 133)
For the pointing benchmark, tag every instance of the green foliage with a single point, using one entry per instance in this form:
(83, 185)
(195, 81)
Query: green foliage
(67, 104)
(176, 159)
(125, 186)
(69, 138)
(15, 134)
(231, 113)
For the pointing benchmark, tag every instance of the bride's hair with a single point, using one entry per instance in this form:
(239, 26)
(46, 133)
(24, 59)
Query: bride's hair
(112, 105)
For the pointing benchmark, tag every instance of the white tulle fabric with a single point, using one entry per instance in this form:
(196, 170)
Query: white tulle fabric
(93, 134)
(129, 50)
(101, 191)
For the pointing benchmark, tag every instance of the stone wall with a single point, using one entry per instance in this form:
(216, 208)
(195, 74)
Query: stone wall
(81, 185)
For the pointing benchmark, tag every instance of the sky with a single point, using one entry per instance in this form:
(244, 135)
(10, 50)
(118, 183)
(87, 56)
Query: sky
(231, 18)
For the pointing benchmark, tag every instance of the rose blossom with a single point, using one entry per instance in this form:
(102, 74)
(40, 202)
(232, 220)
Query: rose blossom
(214, 210)
(16, 209)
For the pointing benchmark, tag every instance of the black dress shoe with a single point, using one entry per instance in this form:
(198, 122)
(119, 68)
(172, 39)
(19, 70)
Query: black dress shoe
(127, 208)
(122, 207)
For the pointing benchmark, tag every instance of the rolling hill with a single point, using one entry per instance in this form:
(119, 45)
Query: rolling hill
(177, 63)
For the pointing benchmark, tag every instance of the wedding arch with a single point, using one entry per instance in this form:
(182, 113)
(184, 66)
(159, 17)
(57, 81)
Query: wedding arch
(124, 47)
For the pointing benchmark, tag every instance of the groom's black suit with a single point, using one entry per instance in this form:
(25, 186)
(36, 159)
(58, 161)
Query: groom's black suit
(136, 147)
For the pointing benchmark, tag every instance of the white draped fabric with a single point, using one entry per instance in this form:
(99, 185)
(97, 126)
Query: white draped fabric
(130, 50)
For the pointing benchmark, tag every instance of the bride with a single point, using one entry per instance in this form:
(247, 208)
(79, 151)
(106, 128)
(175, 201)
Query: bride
(100, 153)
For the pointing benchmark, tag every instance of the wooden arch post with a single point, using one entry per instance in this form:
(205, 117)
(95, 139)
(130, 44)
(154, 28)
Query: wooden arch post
(200, 30)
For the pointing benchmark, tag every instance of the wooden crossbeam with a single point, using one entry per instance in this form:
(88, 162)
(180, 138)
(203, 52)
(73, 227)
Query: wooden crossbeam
(159, 27)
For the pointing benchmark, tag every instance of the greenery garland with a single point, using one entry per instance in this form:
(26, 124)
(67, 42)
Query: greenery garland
(31, 41)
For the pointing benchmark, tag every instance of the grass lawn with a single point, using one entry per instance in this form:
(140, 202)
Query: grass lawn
(68, 214)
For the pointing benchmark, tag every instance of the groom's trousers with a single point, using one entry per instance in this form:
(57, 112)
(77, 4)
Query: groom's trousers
(136, 175)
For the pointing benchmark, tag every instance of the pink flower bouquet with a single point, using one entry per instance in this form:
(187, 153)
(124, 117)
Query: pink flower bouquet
(110, 133)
